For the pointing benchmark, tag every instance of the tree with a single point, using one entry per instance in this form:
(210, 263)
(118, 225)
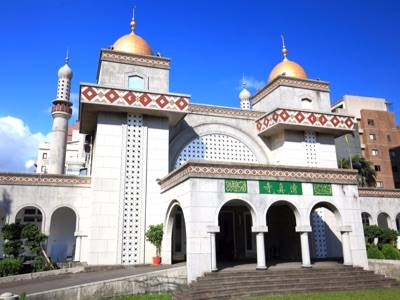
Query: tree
(343, 163)
(366, 171)
(155, 235)
(12, 240)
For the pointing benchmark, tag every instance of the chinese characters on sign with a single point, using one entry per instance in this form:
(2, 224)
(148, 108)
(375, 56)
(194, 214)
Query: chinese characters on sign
(322, 189)
(235, 186)
(280, 187)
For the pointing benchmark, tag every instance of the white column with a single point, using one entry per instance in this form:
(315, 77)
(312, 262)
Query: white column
(77, 256)
(260, 251)
(347, 260)
(305, 250)
(398, 242)
(213, 253)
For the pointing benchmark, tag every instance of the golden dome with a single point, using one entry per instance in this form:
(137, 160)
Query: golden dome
(132, 43)
(287, 68)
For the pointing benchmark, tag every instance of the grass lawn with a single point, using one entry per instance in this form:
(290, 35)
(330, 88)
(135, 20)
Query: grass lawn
(144, 297)
(380, 294)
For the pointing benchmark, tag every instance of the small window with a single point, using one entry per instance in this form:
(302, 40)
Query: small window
(371, 122)
(379, 184)
(136, 82)
(365, 219)
(372, 136)
(389, 138)
(377, 168)
(395, 169)
(392, 154)
(375, 152)
(44, 155)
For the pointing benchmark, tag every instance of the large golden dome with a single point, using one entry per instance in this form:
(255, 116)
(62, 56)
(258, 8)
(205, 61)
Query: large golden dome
(287, 68)
(132, 43)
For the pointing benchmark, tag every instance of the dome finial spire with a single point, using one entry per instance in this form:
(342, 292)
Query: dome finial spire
(244, 82)
(284, 50)
(67, 57)
(133, 23)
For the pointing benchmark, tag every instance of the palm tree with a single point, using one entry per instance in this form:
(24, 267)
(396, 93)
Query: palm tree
(366, 171)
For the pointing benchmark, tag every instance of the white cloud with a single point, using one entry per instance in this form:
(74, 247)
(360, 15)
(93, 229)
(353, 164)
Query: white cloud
(18, 145)
(252, 83)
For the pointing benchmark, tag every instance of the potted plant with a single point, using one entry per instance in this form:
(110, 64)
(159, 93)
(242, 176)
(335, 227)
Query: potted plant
(154, 235)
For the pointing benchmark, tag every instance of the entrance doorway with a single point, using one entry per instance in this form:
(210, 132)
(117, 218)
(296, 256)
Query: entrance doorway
(235, 242)
(178, 237)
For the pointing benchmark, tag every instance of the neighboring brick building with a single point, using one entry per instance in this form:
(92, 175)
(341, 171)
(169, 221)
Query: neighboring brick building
(378, 133)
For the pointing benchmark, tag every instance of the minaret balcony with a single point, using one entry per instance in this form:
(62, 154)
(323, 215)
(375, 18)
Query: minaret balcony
(96, 98)
(302, 120)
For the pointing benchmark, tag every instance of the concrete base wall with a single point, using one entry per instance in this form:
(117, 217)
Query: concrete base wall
(159, 281)
(389, 268)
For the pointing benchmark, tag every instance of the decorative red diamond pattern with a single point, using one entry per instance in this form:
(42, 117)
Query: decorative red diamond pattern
(302, 117)
(150, 100)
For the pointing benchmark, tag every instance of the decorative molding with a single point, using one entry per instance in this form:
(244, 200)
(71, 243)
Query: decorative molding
(291, 82)
(207, 169)
(43, 179)
(377, 192)
(135, 99)
(141, 60)
(282, 116)
(225, 111)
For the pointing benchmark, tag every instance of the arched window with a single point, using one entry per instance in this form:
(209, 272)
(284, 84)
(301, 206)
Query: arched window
(136, 82)
(365, 218)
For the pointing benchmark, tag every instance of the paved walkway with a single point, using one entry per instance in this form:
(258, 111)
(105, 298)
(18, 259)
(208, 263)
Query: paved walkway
(65, 280)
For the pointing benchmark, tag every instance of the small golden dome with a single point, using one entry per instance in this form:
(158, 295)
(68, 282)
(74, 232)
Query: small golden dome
(132, 43)
(287, 67)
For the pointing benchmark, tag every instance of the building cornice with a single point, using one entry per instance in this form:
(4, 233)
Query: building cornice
(221, 170)
(224, 111)
(377, 192)
(317, 85)
(134, 59)
(43, 179)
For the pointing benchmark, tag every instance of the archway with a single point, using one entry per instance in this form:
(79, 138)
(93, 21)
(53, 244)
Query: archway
(384, 220)
(366, 219)
(178, 244)
(235, 243)
(30, 215)
(282, 240)
(326, 241)
(398, 222)
(61, 242)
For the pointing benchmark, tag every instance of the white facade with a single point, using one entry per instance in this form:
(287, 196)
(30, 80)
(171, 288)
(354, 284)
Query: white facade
(212, 175)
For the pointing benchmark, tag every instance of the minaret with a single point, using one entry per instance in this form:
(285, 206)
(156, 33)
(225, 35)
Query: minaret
(244, 96)
(61, 112)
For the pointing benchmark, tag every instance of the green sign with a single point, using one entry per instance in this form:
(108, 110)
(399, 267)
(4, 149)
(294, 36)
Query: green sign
(235, 186)
(322, 189)
(280, 187)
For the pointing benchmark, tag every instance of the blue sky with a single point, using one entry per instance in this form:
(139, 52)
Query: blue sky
(354, 45)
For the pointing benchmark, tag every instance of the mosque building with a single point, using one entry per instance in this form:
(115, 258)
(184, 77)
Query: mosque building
(256, 183)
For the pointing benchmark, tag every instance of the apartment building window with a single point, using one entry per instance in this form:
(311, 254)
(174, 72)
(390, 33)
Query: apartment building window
(44, 155)
(377, 168)
(389, 138)
(379, 184)
(371, 122)
(392, 154)
(394, 169)
(372, 136)
(375, 152)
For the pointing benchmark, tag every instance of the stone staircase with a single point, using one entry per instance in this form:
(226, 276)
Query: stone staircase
(243, 284)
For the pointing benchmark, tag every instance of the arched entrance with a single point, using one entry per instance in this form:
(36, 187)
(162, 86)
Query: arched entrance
(326, 236)
(235, 243)
(282, 240)
(178, 246)
(383, 220)
(61, 241)
(398, 222)
(30, 215)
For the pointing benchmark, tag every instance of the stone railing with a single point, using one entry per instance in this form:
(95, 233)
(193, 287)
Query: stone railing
(43, 179)
(208, 169)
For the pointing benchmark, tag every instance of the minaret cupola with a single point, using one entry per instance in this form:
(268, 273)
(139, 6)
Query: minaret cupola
(244, 96)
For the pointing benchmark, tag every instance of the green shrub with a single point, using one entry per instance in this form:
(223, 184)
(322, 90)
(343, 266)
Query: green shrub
(154, 235)
(12, 235)
(10, 266)
(388, 236)
(33, 238)
(40, 264)
(390, 252)
(373, 252)
(371, 232)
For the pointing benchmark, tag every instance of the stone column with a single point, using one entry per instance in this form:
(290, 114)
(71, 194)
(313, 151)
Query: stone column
(398, 242)
(213, 250)
(305, 248)
(347, 259)
(78, 245)
(260, 230)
